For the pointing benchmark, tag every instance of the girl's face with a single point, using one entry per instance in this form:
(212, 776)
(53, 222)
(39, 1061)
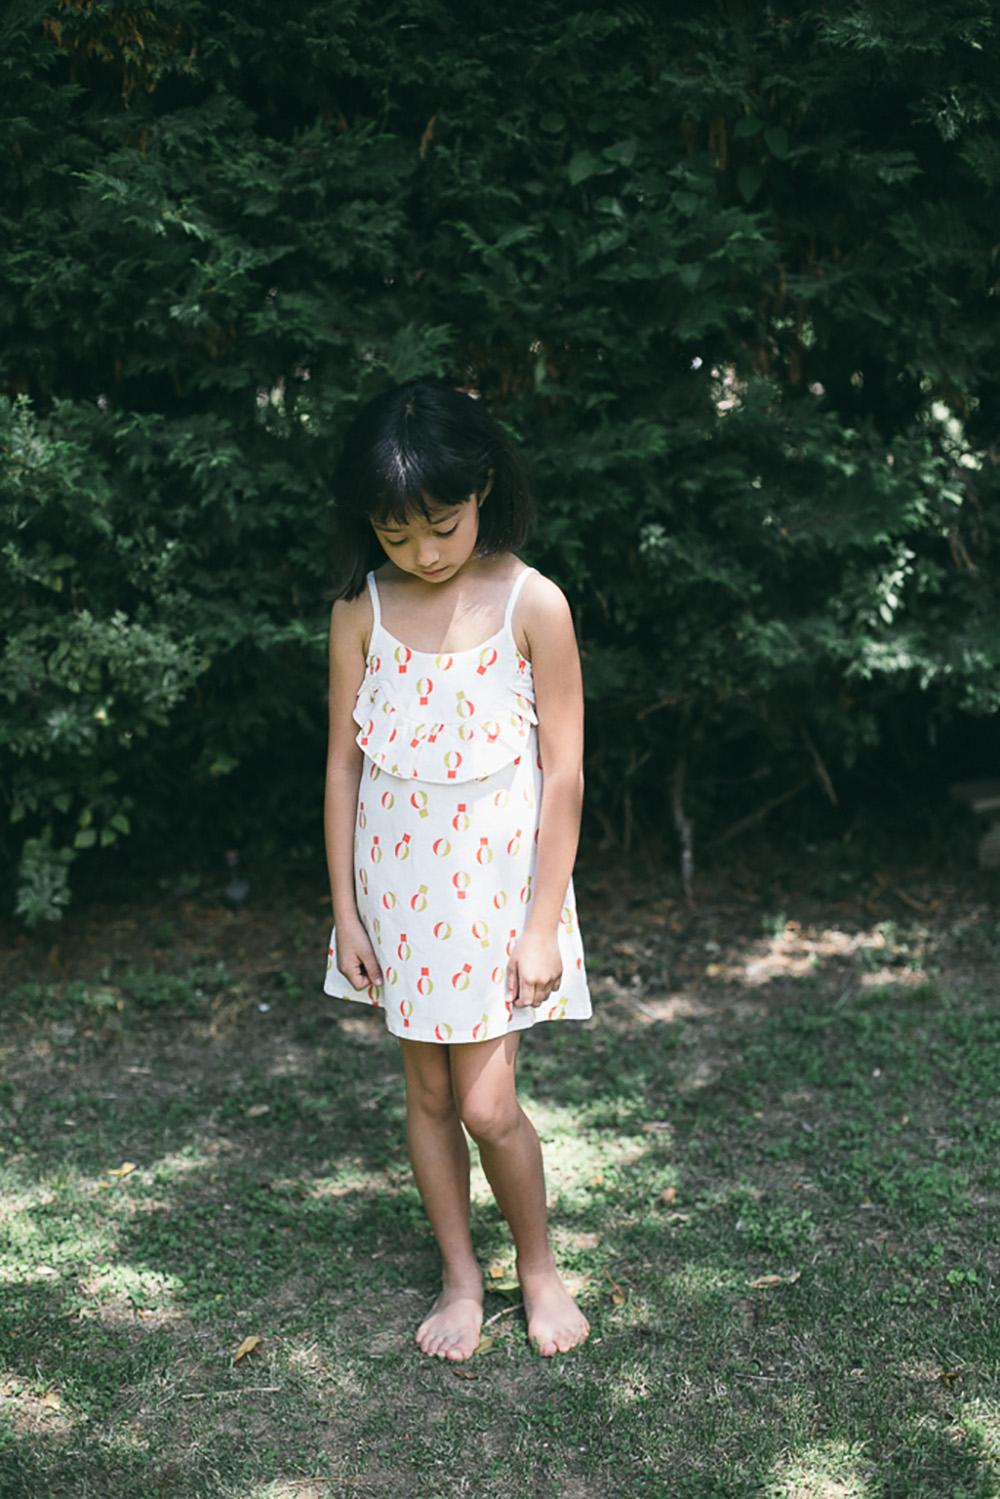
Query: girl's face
(436, 549)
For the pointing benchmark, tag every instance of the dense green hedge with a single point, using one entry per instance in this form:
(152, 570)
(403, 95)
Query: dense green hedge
(730, 275)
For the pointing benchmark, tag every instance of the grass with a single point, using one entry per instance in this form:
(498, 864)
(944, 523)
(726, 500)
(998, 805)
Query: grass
(772, 1168)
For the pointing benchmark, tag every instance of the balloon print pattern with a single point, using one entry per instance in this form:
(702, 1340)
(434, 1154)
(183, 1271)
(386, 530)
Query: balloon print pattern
(446, 838)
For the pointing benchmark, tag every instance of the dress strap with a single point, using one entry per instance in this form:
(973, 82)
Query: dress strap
(373, 590)
(512, 596)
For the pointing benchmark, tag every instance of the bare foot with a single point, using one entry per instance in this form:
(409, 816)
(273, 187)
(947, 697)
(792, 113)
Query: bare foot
(452, 1326)
(555, 1322)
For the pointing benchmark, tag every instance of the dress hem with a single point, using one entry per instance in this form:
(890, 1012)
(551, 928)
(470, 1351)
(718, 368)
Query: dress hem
(408, 1034)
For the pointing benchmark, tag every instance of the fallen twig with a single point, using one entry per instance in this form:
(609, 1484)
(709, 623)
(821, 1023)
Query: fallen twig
(503, 1313)
(254, 1389)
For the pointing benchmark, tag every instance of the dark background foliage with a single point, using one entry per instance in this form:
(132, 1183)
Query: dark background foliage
(728, 273)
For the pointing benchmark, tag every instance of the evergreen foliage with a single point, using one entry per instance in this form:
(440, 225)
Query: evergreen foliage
(728, 273)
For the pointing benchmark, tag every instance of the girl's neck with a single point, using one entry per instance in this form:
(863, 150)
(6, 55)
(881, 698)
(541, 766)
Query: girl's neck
(464, 610)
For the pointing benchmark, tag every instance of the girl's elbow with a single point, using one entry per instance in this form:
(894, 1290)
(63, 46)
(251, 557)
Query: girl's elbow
(344, 765)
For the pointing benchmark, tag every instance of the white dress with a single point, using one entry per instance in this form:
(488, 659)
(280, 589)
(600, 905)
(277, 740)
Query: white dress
(446, 838)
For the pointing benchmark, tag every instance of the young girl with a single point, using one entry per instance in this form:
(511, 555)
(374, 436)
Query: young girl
(453, 792)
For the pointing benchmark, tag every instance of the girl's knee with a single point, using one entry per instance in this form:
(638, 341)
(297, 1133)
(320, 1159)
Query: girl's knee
(432, 1103)
(491, 1122)
(428, 1081)
(431, 1094)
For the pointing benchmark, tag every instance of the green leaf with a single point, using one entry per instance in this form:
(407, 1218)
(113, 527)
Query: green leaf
(582, 165)
(688, 202)
(748, 180)
(777, 141)
(749, 125)
(622, 152)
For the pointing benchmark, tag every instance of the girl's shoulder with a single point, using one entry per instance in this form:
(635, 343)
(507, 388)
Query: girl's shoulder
(542, 617)
(352, 620)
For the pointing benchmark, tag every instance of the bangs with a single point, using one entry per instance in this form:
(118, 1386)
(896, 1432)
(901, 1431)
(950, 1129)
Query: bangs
(404, 484)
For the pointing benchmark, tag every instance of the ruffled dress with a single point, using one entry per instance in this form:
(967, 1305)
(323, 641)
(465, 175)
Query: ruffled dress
(446, 838)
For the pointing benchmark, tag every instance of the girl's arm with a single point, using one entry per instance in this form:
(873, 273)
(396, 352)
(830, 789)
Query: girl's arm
(555, 661)
(344, 761)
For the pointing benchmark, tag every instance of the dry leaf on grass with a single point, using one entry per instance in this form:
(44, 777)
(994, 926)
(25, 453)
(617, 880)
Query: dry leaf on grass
(247, 1346)
(763, 1281)
(125, 1169)
(464, 1374)
(618, 1295)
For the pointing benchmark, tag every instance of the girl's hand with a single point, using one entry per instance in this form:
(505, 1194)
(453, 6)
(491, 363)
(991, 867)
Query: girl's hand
(358, 962)
(534, 969)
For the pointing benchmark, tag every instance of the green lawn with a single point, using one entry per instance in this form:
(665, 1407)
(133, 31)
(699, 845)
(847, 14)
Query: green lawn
(772, 1169)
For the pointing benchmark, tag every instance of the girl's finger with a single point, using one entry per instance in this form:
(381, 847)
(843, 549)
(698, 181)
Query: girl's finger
(512, 982)
(359, 974)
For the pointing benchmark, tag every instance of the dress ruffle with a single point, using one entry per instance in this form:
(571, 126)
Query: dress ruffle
(461, 747)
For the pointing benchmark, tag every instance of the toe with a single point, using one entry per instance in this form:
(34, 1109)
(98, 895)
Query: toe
(569, 1335)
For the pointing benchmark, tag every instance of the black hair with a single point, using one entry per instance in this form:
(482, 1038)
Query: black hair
(416, 448)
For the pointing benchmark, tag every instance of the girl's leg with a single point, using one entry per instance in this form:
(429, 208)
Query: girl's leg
(483, 1083)
(439, 1154)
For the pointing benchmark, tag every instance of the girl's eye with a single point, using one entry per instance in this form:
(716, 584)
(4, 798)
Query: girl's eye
(436, 533)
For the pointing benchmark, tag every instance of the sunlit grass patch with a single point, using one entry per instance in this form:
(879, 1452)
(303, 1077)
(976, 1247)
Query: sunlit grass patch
(978, 1423)
(44, 1240)
(830, 1469)
(35, 1409)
